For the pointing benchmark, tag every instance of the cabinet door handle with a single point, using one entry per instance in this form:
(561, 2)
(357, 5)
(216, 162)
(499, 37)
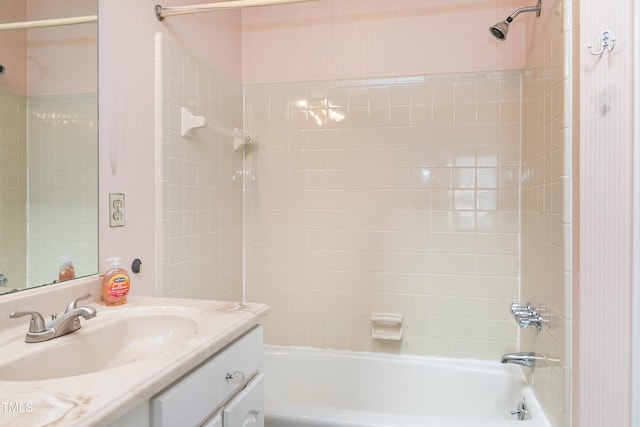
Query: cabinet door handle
(237, 378)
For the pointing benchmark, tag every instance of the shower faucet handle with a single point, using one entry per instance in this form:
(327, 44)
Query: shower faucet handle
(533, 320)
(519, 310)
(526, 315)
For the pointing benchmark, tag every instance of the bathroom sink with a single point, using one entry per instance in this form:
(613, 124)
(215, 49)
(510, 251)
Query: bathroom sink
(103, 343)
(117, 360)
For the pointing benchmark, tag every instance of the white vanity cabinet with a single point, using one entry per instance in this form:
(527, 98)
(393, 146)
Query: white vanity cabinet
(247, 408)
(225, 391)
(244, 410)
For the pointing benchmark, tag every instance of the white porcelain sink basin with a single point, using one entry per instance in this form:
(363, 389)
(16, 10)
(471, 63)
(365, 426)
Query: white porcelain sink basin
(105, 342)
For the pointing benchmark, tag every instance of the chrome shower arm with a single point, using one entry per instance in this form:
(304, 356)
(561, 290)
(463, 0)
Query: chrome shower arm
(500, 29)
(537, 9)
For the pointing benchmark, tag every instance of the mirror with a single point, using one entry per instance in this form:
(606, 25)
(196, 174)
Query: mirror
(48, 144)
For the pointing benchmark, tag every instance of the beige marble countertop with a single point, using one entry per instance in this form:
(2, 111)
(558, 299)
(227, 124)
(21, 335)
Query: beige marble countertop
(101, 397)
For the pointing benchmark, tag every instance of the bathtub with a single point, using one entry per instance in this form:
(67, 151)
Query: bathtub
(326, 388)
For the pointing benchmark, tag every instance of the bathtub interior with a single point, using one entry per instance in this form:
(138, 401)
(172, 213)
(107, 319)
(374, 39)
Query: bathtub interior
(347, 385)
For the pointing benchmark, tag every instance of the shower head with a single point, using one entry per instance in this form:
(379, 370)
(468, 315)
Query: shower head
(500, 29)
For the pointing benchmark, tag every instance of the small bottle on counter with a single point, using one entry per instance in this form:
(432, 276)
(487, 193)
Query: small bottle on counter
(115, 283)
(67, 271)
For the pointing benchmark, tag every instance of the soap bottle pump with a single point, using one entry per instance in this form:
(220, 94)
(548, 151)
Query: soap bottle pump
(115, 283)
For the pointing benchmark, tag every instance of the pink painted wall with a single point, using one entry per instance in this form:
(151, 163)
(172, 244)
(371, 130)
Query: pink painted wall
(127, 122)
(13, 48)
(603, 294)
(354, 39)
(38, 60)
(61, 60)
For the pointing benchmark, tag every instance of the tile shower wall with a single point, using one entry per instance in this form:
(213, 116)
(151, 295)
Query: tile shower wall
(386, 195)
(546, 212)
(63, 159)
(199, 179)
(13, 188)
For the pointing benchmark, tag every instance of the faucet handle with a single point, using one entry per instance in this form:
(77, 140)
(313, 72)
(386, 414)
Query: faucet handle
(73, 304)
(520, 310)
(37, 322)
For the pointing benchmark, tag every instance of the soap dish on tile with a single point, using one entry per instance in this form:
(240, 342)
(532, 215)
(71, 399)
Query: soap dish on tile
(386, 326)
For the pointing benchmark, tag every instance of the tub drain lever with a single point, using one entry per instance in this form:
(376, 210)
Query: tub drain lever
(521, 412)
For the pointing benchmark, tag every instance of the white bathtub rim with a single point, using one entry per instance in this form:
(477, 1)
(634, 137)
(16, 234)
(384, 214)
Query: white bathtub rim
(310, 415)
(321, 415)
(458, 363)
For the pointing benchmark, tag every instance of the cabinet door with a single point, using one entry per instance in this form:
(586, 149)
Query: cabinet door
(247, 408)
(203, 391)
(214, 422)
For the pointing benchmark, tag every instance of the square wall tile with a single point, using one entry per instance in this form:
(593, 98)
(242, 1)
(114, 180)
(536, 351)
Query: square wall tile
(415, 189)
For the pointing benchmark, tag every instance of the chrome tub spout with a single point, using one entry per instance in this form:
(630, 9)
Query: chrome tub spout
(527, 359)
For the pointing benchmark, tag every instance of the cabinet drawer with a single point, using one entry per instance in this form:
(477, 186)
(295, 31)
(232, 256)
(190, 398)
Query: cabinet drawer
(198, 394)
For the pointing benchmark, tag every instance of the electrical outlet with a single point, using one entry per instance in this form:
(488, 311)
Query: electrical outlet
(116, 209)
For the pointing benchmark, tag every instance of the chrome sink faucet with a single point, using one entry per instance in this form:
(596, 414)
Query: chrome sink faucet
(59, 325)
(527, 359)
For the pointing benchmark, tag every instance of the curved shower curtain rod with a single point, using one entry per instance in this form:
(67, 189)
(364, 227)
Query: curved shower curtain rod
(162, 12)
(48, 23)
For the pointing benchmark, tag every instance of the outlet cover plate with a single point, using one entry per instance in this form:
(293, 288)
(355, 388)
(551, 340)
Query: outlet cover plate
(116, 209)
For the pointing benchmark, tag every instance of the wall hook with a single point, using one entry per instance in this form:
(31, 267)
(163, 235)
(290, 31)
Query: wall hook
(607, 41)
